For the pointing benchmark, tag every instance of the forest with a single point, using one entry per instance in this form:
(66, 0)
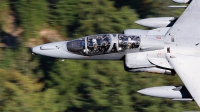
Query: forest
(33, 83)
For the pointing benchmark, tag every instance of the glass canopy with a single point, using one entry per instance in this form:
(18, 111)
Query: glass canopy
(103, 44)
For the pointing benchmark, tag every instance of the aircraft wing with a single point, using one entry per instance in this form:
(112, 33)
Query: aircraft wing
(182, 45)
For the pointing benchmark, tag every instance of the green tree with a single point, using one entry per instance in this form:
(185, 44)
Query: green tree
(32, 16)
(4, 9)
(150, 8)
(101, 16)
(63, 15)
(23, 93)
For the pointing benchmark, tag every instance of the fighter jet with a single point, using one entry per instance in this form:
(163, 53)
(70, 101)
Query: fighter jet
(166, 50)
(135, 47)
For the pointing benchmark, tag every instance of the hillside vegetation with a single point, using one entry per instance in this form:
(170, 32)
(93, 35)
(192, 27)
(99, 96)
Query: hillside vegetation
(32, 83)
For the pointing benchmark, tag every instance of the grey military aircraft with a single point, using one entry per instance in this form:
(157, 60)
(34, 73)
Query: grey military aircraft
(136, 50)
(174, 47)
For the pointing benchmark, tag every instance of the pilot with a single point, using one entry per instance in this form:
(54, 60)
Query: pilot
(94, 44)
(129, 46)
(99, 41)
(94, 41)
(129, 39)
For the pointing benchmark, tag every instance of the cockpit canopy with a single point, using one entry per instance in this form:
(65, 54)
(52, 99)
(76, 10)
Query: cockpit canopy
(103, 44)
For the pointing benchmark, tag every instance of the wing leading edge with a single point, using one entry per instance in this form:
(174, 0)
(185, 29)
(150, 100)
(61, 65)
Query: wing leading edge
(187, 67)
(183, 49)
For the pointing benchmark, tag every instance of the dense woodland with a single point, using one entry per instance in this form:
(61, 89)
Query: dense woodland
(32, 83)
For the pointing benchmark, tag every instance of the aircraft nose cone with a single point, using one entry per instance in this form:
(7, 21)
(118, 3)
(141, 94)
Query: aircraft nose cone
(36, 50)
(145, 91)
(52, 49)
